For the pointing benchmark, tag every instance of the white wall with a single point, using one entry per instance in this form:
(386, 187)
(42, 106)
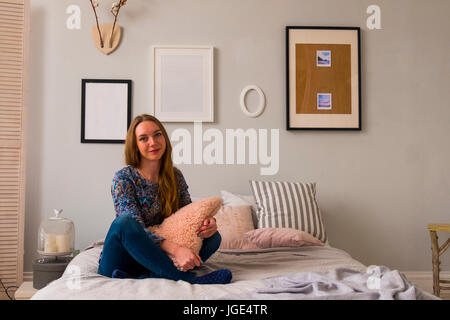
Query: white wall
(377, 188)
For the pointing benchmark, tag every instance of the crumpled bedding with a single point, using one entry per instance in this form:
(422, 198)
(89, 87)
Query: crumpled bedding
(251, 271)
(338, 284)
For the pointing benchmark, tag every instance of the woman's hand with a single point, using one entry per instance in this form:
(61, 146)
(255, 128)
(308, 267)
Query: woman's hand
(186, 259)
(208, 228)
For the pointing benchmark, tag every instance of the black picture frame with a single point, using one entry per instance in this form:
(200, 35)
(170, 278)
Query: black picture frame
(111, 121)
(356, 119)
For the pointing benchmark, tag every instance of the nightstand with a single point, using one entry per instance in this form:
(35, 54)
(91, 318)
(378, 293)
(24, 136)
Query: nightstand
(25, 291)
(436, 253)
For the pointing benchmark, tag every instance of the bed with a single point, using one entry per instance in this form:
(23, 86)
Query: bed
(265, 264)
(254, 273)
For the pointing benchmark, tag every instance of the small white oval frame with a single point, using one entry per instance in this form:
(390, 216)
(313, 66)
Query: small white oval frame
(262, 101)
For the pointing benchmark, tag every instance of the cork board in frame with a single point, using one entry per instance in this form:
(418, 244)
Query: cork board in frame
(323, 78)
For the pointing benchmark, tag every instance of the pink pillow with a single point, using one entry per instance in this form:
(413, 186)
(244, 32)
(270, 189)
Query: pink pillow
(232, 223)
(281, 237)
(181, 227)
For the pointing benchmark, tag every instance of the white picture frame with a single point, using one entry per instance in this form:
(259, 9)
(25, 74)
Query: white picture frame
(183, 83)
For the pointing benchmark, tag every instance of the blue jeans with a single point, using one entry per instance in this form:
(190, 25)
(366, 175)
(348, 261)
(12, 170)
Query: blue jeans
(128, 247)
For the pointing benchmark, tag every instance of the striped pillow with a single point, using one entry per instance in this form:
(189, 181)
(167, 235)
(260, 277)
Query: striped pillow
(288, 205)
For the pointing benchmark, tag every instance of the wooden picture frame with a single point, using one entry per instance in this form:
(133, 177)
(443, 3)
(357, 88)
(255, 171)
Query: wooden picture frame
(105, 110)
(183, 83)
(323, 78)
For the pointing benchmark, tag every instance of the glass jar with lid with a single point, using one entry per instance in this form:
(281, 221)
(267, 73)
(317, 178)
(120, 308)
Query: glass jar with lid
(56, 236)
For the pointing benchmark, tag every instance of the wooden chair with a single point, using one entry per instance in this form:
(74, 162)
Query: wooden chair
(437, 252)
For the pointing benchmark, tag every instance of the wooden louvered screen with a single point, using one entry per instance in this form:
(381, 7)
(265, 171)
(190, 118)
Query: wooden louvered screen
(14, 30)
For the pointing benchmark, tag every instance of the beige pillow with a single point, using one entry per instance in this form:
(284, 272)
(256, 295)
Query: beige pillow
(232, 223)
(281, 237)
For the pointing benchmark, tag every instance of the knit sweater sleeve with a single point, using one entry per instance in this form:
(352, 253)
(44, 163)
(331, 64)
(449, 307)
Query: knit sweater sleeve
(124, 197)
(184, 196)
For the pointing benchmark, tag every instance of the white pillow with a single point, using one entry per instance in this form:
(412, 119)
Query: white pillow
(232, 199)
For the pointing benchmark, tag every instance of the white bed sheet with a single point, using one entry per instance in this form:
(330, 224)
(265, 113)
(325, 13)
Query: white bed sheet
(81, 281)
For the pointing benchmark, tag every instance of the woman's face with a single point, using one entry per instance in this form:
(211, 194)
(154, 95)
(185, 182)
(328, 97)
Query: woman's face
(150, 140)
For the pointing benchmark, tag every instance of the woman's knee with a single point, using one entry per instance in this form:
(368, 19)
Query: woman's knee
(216, 239)
(124, 222)
(210, 246)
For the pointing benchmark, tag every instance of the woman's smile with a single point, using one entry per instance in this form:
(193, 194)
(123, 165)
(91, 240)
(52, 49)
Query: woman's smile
(150, 140)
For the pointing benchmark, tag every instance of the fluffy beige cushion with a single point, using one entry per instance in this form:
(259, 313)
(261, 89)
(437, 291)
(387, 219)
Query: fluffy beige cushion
(281, 237)
(181, 227)
(232, 223)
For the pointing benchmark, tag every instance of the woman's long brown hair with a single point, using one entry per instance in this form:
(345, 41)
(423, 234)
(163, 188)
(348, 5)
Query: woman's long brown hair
(167, 190)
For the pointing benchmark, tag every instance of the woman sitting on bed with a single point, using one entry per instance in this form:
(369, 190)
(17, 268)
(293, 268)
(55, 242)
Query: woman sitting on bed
(145, 192)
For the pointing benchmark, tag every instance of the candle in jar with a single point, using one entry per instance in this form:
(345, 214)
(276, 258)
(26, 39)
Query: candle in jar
(62, 243)
(50, 243)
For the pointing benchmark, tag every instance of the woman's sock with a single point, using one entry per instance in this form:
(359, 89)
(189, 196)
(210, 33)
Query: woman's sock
(119, 274)
(222, 276)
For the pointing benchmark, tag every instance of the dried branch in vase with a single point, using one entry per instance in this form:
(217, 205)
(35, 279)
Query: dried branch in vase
(94, 5)
(115, 11)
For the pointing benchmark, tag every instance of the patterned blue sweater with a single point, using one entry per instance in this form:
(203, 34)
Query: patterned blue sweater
(133, 195)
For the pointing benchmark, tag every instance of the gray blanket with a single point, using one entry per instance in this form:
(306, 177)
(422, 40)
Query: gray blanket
(378, 283)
